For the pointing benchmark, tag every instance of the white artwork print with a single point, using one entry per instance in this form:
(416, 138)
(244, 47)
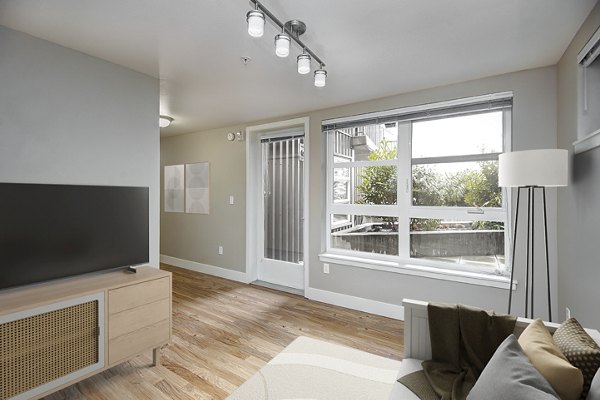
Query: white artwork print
(196, 188)
(173, 183)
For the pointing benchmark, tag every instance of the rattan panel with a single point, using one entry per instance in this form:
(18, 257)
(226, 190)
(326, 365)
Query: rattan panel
(44, 347)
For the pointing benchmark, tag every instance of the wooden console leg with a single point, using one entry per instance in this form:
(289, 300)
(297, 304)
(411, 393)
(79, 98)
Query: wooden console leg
(156, 356)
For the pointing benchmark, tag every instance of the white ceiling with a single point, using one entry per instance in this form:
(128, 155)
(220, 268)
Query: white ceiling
(372, 48)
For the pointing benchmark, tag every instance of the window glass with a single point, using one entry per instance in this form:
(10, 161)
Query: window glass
(455, 136)
(459, 184)
(368, 234)
(340, 220)
(368, 142)
(341, 185)
(474, 243)
(366, 185)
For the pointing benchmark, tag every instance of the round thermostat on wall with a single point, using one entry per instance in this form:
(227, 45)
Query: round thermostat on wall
(231, 136)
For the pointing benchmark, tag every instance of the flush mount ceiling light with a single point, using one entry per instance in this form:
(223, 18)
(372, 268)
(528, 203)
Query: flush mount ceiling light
(290, 31)
(164, 121)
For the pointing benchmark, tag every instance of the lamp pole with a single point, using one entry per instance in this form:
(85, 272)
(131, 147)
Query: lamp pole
(530, 251)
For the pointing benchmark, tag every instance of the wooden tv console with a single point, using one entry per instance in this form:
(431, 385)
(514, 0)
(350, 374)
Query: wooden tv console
(56, 333)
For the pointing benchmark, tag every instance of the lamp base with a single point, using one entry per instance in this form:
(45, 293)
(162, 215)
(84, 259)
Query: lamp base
(530, 251)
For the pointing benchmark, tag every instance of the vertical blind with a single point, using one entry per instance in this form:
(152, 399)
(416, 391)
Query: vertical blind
(283, 192)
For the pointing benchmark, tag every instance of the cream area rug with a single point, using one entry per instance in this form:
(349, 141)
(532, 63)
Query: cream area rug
(313, 369)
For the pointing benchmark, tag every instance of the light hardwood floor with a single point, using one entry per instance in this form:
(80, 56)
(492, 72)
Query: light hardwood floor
(224, 331)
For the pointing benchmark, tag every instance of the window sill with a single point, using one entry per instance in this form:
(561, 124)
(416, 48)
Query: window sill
(472, 278)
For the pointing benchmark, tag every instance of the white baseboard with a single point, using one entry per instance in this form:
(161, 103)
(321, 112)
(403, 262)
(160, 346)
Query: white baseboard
(205, 268)
(324, 296)
(356, 303)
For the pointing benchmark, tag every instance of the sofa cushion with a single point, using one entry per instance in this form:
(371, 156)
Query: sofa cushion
(399, 391)
(510, 375)
(580, 349)
(545, 355)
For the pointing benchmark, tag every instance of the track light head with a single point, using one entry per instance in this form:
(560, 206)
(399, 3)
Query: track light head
(320, 77)
(303, 63)
(282, 45)
(256, 23)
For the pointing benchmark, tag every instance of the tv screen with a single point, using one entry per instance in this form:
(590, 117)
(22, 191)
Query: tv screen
(54, 231)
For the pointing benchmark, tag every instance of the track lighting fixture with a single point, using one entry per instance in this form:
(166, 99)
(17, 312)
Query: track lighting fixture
(290, 31)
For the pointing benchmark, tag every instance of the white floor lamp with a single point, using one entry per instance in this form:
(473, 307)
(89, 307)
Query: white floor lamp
(531, 171)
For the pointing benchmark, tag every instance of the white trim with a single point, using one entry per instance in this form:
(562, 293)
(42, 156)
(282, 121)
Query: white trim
(588, 46)
(421, 107)
(460, 213)
(99, 297)
(587, 143)
(370, 163)
(206, 269)
(355, 303)
(365, 209)
(253, 170)
(471, 278)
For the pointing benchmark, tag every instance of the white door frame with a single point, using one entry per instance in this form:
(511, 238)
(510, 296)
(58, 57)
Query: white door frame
(254, 170)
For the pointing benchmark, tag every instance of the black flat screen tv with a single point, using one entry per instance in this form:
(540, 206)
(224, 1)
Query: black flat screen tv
(55, 231)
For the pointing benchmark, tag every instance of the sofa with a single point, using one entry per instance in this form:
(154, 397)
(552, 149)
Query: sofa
(417, 346)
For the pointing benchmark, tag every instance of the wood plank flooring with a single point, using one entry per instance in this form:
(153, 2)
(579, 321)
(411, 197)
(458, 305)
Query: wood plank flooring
(223, 332)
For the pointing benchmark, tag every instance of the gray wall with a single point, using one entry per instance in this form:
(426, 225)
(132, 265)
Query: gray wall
(195, 238)
(69, 118)
(579, 203)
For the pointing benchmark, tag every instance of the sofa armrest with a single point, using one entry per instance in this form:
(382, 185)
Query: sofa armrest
(399, 391)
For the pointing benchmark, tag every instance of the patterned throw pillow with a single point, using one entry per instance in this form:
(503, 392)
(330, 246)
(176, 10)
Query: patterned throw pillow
(580, 349)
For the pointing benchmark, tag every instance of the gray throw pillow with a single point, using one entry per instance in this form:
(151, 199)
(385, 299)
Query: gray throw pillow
(594, 393)
(509, 375)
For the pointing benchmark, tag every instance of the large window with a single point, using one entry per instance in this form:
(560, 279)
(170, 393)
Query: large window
(420, 186)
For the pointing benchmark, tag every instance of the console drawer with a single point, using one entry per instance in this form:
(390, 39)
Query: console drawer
(133, 343)
(129, 297)
(136, 318)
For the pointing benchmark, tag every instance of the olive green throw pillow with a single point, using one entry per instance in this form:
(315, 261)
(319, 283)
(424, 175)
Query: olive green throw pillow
(545, 355)
(580, 349)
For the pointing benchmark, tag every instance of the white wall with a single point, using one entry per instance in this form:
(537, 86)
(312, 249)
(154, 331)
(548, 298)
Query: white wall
(69, 118)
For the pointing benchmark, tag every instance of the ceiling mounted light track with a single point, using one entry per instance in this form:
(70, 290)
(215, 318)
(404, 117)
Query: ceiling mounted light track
(290, 31)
